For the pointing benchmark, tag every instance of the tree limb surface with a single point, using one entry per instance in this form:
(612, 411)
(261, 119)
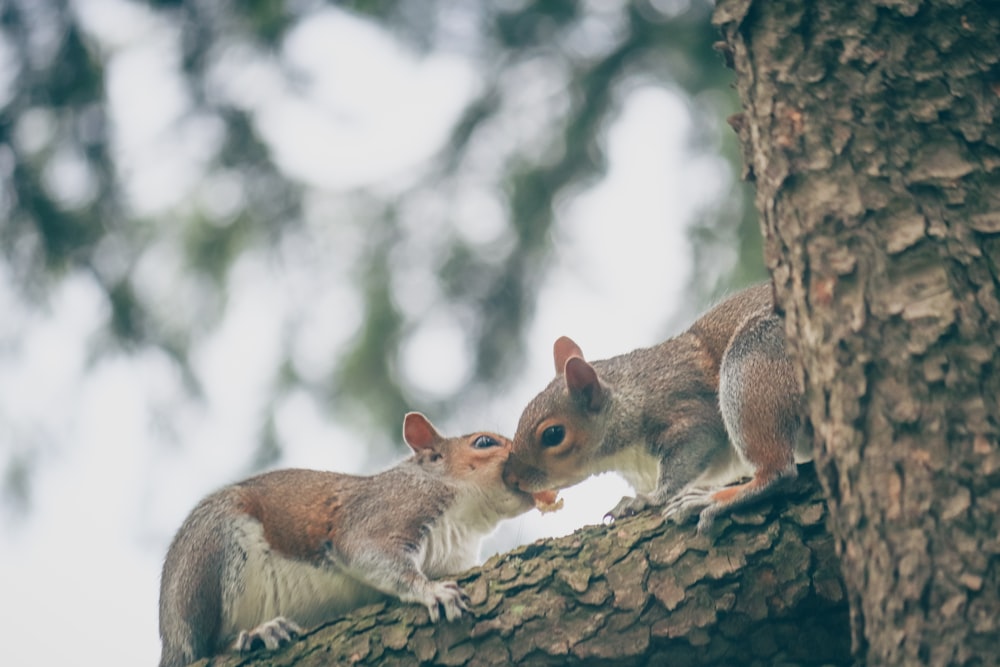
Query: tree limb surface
(871, 130)
(764, 588)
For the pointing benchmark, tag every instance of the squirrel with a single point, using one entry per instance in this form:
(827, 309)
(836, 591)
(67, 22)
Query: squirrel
(256, 562)
(660, 416)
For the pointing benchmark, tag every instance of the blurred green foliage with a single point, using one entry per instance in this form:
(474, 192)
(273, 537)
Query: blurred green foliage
(56, 104)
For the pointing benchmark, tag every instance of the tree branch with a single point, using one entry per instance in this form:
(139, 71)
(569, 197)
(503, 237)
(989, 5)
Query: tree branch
(765, 587)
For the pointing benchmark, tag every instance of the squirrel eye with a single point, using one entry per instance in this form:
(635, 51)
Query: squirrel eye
(484, 442)
(553, 436)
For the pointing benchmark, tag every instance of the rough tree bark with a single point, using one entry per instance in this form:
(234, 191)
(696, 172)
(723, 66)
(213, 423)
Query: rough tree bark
(872, 130)
(764, 589)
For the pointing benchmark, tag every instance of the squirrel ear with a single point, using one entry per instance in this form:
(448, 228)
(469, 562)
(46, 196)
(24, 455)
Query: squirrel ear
(563, 349)
(419, 433)
(583, 383)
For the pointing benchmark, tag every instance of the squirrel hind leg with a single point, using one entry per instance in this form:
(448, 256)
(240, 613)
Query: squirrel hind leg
(729, 498)
(761, 404)
(270, 635)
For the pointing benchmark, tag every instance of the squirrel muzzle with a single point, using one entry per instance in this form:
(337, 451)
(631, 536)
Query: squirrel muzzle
(521, 475)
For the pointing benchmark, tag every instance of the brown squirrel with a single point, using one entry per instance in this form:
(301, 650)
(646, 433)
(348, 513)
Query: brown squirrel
(259, 560)
(660, 416)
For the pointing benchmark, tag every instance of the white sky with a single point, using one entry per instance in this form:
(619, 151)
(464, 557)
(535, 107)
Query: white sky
(80, 576)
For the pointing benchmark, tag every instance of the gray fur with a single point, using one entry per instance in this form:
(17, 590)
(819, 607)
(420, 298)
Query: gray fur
(258, 560)
(678, 404)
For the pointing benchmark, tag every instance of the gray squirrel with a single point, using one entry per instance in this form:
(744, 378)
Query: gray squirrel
(258, 561)
(681, 421)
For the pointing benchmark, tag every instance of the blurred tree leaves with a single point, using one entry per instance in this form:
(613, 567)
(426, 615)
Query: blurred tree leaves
(560, 69)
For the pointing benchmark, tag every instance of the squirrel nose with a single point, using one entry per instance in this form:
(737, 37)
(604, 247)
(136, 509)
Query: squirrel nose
(510, 477)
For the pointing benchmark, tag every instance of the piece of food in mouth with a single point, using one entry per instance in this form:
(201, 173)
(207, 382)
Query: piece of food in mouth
(546, 501)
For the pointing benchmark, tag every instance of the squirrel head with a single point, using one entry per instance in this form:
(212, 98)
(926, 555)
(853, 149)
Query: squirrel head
(475, 462)
(561, 429)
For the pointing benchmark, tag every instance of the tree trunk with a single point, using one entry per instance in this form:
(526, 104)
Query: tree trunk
(872, 130)
(764, 589)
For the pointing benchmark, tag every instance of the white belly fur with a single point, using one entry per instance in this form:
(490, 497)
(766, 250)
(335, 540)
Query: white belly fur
(642, 470)
(453, 540)
(639, 468)
(727, 468)
(274, 585)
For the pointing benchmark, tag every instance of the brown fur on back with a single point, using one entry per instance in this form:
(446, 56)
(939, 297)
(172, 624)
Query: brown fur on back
(305, 513)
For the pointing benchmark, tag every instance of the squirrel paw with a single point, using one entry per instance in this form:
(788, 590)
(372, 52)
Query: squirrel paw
(447, 596)
(627, 506)
(695, 500)
(270, 635)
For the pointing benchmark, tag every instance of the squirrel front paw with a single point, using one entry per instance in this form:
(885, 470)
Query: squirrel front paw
(694, 500)
(627, 506)
(447, 596)
(270, 635)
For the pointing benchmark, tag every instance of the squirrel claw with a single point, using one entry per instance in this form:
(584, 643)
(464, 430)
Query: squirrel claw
(707, 520)
(627, 506)
(691, 502)
(446, 596)
(270, 635)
